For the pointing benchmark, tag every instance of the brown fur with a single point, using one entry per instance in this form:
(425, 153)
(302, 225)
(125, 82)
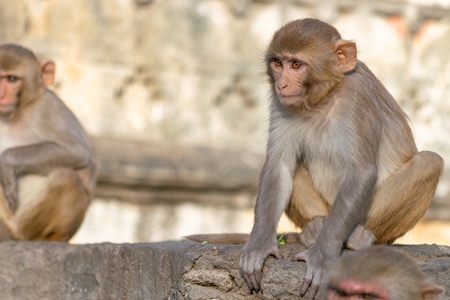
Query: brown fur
(44, 146)
(341, 159)
(339, 147)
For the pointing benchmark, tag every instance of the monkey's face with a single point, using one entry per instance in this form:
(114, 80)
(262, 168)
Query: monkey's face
(288, 74)
(10, 86)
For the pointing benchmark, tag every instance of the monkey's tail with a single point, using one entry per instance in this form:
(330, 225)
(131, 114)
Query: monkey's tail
(219, 238)
(238, 238)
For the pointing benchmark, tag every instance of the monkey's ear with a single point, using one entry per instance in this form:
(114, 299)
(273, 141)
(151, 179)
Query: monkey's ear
(430, 291)
(48, 72)
(345, 55)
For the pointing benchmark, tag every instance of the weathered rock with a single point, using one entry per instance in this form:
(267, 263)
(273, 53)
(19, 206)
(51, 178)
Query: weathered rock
(168, 270)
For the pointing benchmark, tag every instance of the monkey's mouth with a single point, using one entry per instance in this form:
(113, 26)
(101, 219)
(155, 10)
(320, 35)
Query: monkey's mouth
(6, 108)
(291, 96)
(291, 99)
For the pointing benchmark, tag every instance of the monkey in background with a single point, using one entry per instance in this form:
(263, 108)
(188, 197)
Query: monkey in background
(47, 169)
(341, 159)
(378, 273)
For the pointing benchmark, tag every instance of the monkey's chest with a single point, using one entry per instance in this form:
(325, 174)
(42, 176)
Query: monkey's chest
(323, 157)
(325, 177)
(11, 137)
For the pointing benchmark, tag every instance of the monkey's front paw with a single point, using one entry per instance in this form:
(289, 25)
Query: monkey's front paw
(12, 203)
(11, 194)
(315, 264)
(251, 265)
(8, 181)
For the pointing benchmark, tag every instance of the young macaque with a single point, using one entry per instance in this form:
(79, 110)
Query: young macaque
(378, 273)
(341, 159)
(47, 170)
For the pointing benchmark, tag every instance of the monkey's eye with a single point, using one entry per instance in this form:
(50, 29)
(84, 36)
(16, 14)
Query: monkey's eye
(338, 291)
(297, 65)
(276, 62)
(12, 78)
(369, 296)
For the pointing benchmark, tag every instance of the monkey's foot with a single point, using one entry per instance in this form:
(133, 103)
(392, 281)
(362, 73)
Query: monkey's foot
(310, 232)
(5, 233)
(360, 238)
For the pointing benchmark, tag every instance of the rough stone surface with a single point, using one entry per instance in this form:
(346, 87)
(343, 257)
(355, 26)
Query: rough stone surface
(167, 270)
(191, 73)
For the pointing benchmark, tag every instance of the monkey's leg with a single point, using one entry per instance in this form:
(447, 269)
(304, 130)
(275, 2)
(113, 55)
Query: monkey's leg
(31, 189)
(403, 198)
(5, 233)
(54, 211)
(305, 203)
(306, 209)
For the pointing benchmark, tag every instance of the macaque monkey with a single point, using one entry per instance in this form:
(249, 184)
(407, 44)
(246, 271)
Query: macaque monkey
(378, 273)
(341, 159)
(47, 171)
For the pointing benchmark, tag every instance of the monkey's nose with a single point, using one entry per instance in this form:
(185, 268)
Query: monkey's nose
(282, 87)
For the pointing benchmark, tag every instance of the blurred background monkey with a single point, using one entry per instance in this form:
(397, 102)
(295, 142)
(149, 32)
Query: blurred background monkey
(47, 170)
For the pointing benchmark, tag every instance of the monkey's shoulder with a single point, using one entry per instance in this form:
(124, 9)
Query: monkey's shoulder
(46, 119)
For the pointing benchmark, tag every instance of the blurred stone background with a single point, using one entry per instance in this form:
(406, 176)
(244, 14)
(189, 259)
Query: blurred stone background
(174, 96)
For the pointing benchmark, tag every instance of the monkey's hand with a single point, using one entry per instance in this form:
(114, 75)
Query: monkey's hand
(8, 181)
(252, 261)
(316, 263)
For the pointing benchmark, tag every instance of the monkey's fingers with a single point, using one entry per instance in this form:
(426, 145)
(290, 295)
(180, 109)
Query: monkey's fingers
(276, 254)
(311, 285)
(251, 270)
(311, 281)
(306, 282)
(313, 291)
(11, 199)
(301, 256)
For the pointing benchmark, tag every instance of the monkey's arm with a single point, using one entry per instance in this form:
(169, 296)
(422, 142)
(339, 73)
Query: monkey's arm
(38, 158)
(349, 209)
(275, 189)
(56, 139)
(43, 157)
(51, 137)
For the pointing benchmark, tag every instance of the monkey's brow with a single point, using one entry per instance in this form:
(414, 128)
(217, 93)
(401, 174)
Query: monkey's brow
(9, 75)
(290, 57)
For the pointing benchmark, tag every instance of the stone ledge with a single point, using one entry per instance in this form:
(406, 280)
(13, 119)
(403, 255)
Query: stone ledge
(146, 172)
(167, 270)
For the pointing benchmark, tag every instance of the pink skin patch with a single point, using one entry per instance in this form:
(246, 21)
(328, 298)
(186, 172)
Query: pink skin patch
(10, 85)
(355, 289)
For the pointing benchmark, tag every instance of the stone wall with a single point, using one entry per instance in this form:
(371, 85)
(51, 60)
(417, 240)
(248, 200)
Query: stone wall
(190, 73)
(169, 271)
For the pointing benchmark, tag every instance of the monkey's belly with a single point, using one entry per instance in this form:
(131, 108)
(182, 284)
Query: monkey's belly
(326, 181)
(32, 187)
